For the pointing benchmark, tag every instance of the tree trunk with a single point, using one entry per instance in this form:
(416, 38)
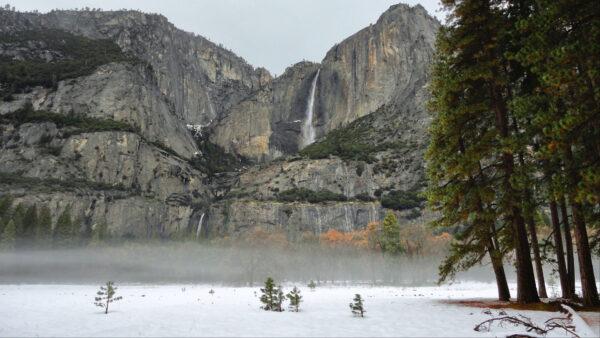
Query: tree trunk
(586, 269)
(536, 258)
(534, 241)
(107, 301)
(536, 249)
(569, 245)
(560, 255)
(526, 290)
(503, 291)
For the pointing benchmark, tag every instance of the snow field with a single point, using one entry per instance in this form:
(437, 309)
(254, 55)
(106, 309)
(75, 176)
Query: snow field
(189, 310)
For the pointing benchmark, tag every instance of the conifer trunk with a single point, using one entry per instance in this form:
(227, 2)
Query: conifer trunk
(501, 283)
(526, 289)
(560, 255)
(586, 269)
(492, 246)
(537, 258)
(536, 249)
(569, 245)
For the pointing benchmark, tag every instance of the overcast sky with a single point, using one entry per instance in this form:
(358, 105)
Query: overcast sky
(267, 33)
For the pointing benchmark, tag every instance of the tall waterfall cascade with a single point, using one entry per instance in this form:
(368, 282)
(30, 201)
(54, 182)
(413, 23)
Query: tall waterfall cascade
(308, 129)
(199, 228)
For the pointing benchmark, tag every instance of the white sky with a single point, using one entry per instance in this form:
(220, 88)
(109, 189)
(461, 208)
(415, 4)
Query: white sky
(267, 33)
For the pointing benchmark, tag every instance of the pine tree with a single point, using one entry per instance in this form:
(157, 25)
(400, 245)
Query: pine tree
(295, 299)
(357, 307)
(9, 236)
(560, 45)
(312, 285)
(474, 177)
(272, 296)
(459, 188)
(279, 300)
(63, 231)
(43, 233)
(106, 295)
(390, 243)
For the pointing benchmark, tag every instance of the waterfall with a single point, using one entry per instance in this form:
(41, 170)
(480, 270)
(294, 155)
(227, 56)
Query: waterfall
(199, 228)
(308, 130)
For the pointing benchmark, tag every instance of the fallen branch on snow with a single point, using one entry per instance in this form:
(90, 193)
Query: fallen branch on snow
(549, 325)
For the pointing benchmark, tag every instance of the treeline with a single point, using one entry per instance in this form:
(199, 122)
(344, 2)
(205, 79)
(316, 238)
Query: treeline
(79, 123)
(77, 56)
(22, 227)
(515, 99)
(389, 239)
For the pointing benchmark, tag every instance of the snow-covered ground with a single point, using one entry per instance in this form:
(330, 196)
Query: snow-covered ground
(189, 310)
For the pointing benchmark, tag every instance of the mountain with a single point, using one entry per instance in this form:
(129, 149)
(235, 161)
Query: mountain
(385, 63)
(97, 110)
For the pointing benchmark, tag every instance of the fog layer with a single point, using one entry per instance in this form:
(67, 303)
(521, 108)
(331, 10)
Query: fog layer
(184, 263)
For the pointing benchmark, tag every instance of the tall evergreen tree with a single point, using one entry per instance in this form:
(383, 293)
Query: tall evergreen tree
(473, 139)
(390, 242)
(560, 45)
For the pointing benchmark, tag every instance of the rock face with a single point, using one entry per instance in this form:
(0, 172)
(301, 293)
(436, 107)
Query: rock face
(201, 79)
(384, 64)
(267, 125)
(143, 182)
(234, 218)
(121, 179)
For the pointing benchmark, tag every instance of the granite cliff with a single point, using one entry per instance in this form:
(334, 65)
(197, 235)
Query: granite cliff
(383, 64)
(113, 143)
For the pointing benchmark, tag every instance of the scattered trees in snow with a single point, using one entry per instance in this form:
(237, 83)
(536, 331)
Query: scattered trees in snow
(273, 297)
(106, 295)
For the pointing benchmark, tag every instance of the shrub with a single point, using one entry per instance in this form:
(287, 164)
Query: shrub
(311, 196)
(365, 197)
(401, 200)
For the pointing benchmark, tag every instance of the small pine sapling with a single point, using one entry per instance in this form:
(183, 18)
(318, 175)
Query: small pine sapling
(269, 294)
(312, 285)
(279, 300)
(106, 295)
(295, 299)
(357, 307)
